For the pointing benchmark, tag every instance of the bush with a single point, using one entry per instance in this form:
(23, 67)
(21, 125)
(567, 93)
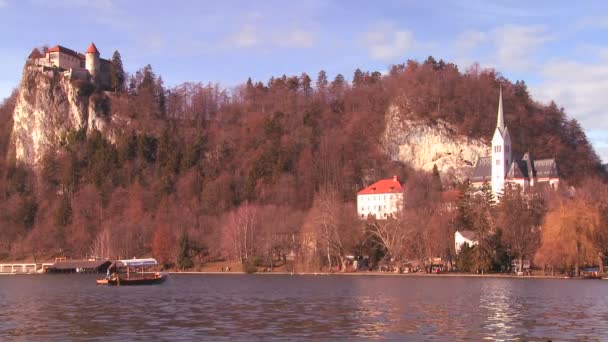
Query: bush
(249, 267)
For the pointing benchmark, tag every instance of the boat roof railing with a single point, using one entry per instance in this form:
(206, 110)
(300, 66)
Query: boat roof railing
(139, 262)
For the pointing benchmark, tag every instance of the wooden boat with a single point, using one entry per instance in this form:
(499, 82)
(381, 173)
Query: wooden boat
(132, 272)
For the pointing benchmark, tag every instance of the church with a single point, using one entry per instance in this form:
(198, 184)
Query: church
(503, 166)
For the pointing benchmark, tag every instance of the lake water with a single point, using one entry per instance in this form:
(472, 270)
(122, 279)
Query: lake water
(283, 307)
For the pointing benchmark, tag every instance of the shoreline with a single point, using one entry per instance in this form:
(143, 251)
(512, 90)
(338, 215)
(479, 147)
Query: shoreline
(378, 274)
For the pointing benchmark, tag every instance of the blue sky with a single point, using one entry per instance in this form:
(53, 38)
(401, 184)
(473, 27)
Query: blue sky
(560, 50)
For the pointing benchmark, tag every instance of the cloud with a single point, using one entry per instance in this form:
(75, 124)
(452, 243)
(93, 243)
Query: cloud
(581, 89)
(385, 42)
(470, 40)
(245, 37)
(599, 139)
(105, 5)
(516, 44)
(250, 36)
(3, 3)
(592, 23)
(296, 38)
(105, 12)
(513, 47)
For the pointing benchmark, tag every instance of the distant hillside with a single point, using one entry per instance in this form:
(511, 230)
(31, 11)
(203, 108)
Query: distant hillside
(85, 164)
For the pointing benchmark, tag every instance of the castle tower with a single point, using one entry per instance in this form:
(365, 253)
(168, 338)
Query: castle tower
(92, 62)
(501, 152)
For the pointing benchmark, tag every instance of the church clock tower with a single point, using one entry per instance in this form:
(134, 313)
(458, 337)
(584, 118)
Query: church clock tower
(501, 152)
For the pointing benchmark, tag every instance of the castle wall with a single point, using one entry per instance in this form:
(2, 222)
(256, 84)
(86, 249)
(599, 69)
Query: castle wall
(104, 78)
(64, 61)
(77, 74)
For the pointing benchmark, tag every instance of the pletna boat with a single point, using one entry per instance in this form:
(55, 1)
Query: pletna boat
(133, 272)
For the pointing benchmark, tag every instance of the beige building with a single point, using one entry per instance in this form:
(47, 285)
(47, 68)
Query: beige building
(75, 65)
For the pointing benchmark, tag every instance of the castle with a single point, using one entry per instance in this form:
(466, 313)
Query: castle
(505, 167)
(74, 65)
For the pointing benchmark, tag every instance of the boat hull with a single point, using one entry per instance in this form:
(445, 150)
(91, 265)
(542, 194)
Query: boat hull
(136, 281)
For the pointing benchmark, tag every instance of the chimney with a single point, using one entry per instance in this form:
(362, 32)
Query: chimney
(395, 178)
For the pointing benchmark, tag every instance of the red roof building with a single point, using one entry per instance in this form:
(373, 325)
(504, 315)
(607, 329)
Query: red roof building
(381, 199)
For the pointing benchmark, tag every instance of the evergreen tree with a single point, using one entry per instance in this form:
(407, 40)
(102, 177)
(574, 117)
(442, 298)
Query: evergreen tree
(322, 81)
(305, 81)
(436, 178)
(184, 260)
(63, 216)
(358, 78)
(118, 76)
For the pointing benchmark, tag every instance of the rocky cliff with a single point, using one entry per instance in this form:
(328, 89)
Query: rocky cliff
(422, 145)
(49, 104)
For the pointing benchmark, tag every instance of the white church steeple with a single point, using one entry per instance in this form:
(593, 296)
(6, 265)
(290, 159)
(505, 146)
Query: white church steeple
(501, 151)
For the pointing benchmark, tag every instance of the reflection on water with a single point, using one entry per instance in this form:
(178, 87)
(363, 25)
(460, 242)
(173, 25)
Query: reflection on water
(245, 307)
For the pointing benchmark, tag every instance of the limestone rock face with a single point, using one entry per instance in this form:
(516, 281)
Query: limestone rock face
(49, 105)
(422, 145)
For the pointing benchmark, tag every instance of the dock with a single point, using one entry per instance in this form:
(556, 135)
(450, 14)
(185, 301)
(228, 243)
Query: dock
(24, 268)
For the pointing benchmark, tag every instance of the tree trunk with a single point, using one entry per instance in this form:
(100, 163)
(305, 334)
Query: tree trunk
(328, 258)
(521, 264)
(600, 263)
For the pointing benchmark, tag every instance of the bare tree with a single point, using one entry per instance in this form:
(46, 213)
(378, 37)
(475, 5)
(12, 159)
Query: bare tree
(102, 245)
(238, 232)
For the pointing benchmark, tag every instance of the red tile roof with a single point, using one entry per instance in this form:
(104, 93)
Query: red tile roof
(62, 49)
(383, 186)
(92, 49)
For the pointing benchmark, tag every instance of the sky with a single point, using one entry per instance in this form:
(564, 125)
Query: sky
(560, 50)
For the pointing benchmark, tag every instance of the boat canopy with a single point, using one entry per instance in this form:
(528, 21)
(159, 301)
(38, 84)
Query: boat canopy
(139, 262)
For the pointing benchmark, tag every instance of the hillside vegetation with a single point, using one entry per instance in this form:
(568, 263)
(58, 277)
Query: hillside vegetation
(211, 173)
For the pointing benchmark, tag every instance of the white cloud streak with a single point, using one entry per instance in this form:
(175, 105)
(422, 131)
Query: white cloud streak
(581, 89)
(513, 47)
(385, 42)
(250, 36)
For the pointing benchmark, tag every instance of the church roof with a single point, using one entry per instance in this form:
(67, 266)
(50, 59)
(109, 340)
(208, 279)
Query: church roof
(483, 170)
(546, 168)
(92, 49)
(522, 166)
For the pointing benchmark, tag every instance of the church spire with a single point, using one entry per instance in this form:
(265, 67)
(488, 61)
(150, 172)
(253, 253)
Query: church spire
(500, 122)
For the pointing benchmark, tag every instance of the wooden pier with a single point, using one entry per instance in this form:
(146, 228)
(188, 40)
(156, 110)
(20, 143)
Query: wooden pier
(25, 268)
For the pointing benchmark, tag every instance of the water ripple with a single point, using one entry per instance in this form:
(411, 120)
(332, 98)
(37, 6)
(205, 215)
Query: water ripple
(261, 307)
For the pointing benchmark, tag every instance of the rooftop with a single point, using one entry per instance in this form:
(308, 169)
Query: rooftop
(92, 49)
(383, 186)
(63, 49)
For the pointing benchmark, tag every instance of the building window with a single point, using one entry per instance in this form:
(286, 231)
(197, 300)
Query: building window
(498, 162)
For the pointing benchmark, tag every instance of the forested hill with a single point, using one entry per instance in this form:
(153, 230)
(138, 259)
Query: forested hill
(175, 161)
